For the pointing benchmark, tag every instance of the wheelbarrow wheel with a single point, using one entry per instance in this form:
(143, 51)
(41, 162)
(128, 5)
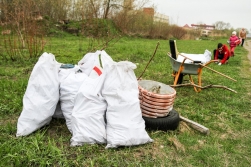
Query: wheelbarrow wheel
(170, 122)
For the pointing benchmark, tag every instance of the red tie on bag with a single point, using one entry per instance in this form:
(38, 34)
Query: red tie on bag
(98, 71)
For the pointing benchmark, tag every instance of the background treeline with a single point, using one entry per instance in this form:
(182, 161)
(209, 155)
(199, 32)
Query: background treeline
(21, 16)
(26, 24)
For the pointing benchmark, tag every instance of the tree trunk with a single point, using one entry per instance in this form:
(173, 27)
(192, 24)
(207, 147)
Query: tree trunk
(107, 9)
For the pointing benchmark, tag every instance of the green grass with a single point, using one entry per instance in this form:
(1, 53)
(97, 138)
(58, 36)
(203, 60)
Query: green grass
(226, 114)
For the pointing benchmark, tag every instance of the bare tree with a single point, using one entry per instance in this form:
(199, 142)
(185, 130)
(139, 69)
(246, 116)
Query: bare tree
(107, 8)
(220, 25)
(21, 18)
(177, 32)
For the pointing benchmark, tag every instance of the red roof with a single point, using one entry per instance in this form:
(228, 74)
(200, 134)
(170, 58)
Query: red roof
(186, 26)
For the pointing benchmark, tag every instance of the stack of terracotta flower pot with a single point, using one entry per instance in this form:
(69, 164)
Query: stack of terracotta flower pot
(156, 99)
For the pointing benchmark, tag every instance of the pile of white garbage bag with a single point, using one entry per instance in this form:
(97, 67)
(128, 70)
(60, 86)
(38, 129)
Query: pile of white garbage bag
(98, 98)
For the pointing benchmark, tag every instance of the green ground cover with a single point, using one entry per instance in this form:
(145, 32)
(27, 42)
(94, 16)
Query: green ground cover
(226, 114)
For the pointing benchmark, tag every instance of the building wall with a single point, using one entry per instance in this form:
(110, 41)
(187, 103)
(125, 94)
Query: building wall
(149, 11)
(157, 17)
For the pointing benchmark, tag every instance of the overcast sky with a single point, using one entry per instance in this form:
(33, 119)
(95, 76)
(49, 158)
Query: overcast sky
(181, 12)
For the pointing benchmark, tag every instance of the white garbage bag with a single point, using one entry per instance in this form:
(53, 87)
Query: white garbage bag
(70, 82)
(89, 61)
(58, 112)
(125, 125)
(41, 96)
(88, 115)
(106, 59)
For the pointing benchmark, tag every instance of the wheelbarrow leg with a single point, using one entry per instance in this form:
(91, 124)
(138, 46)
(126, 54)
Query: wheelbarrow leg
(178, 76)
(199, 79)
(195, 88)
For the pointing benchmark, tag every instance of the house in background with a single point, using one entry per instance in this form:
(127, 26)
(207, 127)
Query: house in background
(157, 17)
(249, 36)
(203, 26)
(187, 26)
(206, 30)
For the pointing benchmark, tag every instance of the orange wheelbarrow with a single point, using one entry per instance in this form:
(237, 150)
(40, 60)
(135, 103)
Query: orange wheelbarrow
(181, 68)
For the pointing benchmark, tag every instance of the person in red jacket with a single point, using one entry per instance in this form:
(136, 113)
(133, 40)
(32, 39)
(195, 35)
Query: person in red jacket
(233, 42)
(221, 54)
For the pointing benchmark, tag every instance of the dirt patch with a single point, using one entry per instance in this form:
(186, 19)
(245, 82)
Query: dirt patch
(247, 45)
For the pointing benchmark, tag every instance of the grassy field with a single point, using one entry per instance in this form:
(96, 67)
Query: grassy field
(226, 114)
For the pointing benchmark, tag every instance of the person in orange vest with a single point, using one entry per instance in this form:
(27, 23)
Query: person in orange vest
(242, 35)
(221, 54)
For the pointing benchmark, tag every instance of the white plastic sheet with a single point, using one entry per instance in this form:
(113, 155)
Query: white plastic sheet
(204, 58)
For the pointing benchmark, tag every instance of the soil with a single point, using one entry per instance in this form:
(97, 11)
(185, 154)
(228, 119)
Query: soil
(247, 45)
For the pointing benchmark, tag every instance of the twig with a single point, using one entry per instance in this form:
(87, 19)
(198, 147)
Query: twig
(106, 43)
(149, 60)
(204, 87)
(115, 41)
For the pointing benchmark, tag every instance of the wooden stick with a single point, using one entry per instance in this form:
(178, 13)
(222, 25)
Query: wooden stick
(193, 60)
(149, 61)
(219, 73)
(211, 69)
(195, 125)
(204, 87)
